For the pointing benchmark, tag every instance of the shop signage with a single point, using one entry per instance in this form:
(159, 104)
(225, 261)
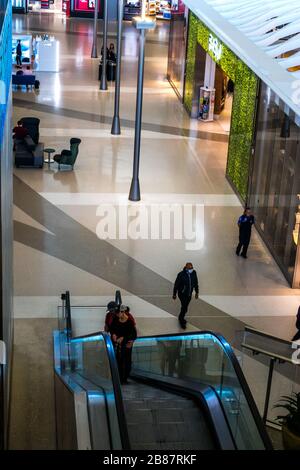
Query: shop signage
(215, 47)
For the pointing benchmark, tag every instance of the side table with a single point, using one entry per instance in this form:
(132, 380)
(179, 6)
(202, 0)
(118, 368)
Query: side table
(49, 160)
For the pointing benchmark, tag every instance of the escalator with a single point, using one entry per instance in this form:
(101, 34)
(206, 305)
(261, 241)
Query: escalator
(157, 419)
(186, 392)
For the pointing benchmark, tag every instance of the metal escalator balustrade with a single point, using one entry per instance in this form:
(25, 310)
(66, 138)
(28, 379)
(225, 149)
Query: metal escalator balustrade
(86, 366)
(207, 359)
(199, 367)
(158, 419)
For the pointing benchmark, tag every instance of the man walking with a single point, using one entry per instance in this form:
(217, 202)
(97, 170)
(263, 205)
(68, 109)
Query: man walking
(186, 282)
(245, 223)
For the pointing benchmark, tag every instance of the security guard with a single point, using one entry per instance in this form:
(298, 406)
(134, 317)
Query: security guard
(185, 283)
(245, 223)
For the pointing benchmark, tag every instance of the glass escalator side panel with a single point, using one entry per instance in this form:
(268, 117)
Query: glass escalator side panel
(202, 358)
(90, 360)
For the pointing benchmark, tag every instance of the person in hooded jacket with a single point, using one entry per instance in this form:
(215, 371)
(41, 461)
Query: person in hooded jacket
(186, 282)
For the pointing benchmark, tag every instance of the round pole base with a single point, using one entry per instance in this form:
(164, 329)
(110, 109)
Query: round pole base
(116, 126)
(134, 193)
(94, 54)
(103, 83)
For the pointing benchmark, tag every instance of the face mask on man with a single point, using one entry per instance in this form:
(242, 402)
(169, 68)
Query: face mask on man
(190, 271)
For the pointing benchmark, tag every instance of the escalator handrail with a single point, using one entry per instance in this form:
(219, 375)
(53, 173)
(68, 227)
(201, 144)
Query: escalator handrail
(117, 391)
(240, 375)
(68, 315)
(68, 309)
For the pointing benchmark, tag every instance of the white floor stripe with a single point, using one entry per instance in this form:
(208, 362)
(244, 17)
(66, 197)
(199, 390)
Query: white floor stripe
(164, 90)
(255, 305)
(105, 134)
(125, 58)
(46, 307)
(234, 306)
(96, 199)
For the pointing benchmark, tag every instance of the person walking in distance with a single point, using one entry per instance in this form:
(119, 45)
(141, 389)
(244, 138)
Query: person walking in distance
(186, 282)
(245, 223)
(19, 53)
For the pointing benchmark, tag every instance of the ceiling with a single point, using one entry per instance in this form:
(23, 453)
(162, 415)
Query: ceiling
(265, 34)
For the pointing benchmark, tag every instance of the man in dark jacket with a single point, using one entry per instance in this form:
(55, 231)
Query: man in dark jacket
(245, 223)
(186, 282)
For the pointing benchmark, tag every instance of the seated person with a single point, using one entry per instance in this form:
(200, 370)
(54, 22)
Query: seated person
(27, 71)
(19, 131)
(123, 333)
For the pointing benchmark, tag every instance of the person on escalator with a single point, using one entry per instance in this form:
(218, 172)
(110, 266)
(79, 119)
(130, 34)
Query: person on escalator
(123, 333)
(111, 310)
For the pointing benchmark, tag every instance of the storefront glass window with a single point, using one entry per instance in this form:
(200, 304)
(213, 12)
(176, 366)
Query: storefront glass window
(275, 184)
(177, 47)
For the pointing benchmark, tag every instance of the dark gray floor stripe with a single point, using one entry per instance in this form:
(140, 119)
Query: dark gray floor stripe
(73, 243)
(82, 115)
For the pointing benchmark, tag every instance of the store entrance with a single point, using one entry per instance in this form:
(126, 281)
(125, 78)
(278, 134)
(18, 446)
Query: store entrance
(45, 6)
(213, 94)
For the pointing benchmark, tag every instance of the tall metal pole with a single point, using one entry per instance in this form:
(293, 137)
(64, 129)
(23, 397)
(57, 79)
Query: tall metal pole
(134, 193)
(103, 82)
(268, 392)
(94, 54)
(116, 126)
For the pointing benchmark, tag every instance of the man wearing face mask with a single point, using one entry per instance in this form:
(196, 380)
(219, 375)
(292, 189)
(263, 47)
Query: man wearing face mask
(186, 282)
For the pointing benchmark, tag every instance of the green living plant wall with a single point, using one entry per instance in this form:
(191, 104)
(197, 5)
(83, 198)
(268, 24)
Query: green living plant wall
(244, 103)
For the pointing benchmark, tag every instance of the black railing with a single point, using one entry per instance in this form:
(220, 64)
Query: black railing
(118, 298)
(117, 392)
(67, 311)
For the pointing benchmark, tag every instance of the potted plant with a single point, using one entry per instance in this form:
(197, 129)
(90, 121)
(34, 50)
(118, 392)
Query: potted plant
(291, 421)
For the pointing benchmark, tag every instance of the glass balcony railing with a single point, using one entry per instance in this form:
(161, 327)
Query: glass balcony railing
(205, 358)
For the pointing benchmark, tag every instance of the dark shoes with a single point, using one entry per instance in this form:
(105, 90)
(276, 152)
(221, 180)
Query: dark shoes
(244, 256)
(183, 324)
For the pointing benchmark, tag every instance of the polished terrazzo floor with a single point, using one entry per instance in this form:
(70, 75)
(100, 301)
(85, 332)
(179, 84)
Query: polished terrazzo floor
(182, 161)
